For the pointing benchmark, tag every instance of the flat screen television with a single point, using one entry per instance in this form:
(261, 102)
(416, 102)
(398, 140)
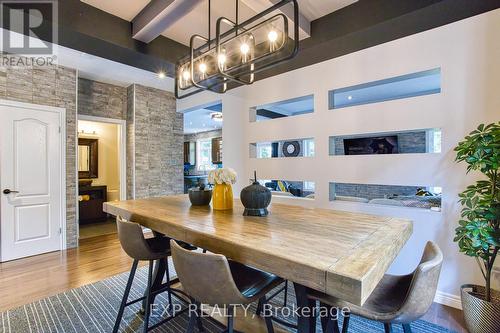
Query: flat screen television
(371, 145)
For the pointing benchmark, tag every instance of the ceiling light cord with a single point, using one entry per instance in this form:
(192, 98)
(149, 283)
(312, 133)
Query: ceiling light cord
(209, 25)
(237, 15)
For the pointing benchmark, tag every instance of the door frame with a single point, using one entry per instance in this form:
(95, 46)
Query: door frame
(122, 148)
(62, 151)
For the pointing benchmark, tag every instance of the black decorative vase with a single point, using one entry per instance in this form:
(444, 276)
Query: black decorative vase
(255, 198)
(200, 196)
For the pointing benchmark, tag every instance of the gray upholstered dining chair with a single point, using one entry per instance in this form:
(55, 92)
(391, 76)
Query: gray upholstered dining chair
(140, 248)
(214, 280)
(396, 299)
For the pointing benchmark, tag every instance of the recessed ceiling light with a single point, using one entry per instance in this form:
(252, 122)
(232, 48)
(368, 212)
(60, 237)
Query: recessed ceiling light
(349, 97)
(161, 75)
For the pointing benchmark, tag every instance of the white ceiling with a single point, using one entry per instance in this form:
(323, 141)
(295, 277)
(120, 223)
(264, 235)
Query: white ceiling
(125, 9)
(196, 22)
(200, 121)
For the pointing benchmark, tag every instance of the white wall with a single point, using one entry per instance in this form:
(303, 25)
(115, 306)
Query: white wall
(468, 53)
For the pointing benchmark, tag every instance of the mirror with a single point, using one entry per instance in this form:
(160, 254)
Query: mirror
(87, 158)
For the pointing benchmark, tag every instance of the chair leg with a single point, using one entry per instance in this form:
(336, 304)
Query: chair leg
(345, 325)
(230, 320)
(260, 306)
(148, 297)
(332, 323)
(125, 296)
(325, 320)
(168, 291)
(191, 323)
(195, 318)
(388, 327)
(198, 318)
(269, 324)
(285, 301)
(406, 328)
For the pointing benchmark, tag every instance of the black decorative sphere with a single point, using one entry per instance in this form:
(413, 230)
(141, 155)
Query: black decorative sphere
(255, 198)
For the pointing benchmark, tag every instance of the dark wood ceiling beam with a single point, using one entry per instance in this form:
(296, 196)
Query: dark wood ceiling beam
(158, 16)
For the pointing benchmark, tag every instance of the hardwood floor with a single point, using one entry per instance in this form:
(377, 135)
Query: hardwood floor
(26, 280)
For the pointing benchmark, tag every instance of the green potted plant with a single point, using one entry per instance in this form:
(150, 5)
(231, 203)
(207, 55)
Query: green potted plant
(478, 232)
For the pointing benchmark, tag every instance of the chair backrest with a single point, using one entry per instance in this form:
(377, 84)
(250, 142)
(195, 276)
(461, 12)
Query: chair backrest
(423, 286)
(206, 277)
(132, 239)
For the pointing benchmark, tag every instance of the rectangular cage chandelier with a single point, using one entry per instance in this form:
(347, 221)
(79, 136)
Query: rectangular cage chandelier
(238, 53)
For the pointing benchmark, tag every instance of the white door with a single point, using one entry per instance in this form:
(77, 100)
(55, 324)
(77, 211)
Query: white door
(30, 181)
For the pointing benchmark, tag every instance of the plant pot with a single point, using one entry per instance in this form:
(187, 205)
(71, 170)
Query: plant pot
(222, 197)
(480, 316)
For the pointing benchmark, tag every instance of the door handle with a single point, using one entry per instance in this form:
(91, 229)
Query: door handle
(7, 191)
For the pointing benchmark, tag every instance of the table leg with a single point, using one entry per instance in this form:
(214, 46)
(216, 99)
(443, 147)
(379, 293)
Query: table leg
(306, 321)
(160, 267)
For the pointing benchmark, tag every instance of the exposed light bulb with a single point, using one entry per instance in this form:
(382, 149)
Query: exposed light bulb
(244, 48)
(272, 36)
(222, 58)
(202, 67)
(161, 75)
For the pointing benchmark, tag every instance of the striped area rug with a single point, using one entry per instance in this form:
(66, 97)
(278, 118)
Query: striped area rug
(93, 308)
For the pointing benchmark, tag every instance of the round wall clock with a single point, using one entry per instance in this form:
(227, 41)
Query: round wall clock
(291, 148)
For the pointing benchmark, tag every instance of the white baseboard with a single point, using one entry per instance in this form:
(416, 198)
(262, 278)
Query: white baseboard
(448, 299)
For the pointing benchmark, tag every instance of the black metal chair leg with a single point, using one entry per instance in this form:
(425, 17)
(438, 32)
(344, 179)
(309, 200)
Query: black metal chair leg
(332, 322)
(345, 325)
(191, 323)
(148, 297)
(406, 328)
(324, 319)
(171, 305)
(125, 296)
(260, 306)
(388, 327)
(230, 320)
(198, 318)
(285, 301)
(268, 319)
(269, 324)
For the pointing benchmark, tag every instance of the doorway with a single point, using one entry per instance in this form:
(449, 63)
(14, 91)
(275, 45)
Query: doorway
(101, 173)
(32, 179)
(202, 144)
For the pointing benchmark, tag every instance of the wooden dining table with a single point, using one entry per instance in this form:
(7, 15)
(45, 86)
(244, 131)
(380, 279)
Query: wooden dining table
(340, 253)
